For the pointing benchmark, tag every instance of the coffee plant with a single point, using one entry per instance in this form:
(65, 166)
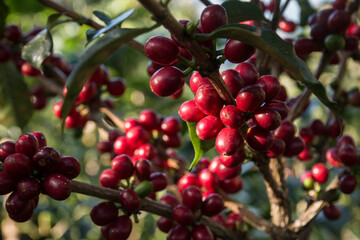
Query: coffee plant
(225, 134)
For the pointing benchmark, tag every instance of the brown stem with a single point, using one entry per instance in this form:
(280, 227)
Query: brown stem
(83, 20)
(147, 205)
(206, 2)
(276, 15)
(284, 7)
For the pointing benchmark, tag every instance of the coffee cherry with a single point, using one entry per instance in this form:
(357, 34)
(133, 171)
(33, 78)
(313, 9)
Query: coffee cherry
(338, 21)
(104, 213)
(100, 76)
(203, 163)
(208, 179)
(179, 232)
(169, 199)
(233, 80)
(167, 81)
(332, 157)
(12, 33)
(212, 17)
(212, 205)
(209, 127)
(334, 42)
(232, 185)
(142, 169)
(159, 180)
(171, 140)
(307, 134)
(28, 188)
(250, 98)
(6, 148)
(122, 166)
(25, 214)
(267, 118)
(285, 131)
(305, 155)
(233, 160)
(130, 201)
(27, 144)
(334, 128)
(287, 26)
(332, 212)
(304, 46)
(277, 148)
(318, 127)
(170, 125)
(7, 183)
(347, 184)
(319, 32)
(14, 205)
(270, 85)
(219, 219)
(320, 173)
(192, 198)
(228, 141)
(87, 93)
(259, 139)
(57, 186)
(165, 224)
(161, 50)
(231, 116)
(190, 112)
(149, 119)
(188, 180)
(18, 165)
(29, 70)
(201, 232)
(197, 81)
(347, 155)
(226, 173)
(294, 147)
(69, 167)
(137, 136)
(236, 51)
(183, 215)
(47, 160)
(233, 220)
(121, 146)
(120, 229)
(248, 73)
(40, 138)
(108, 179)
(208, 100)
(116, 87)
(345, 139)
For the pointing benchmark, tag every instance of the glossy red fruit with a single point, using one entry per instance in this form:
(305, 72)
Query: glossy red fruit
(332, 157)
(171, 140)
(277, 148)
(169, 199)
(47, 160)
(219, 219)
(149, 119)
(161, 50)
(259, 139)
(305, 155)
(319, 32)
(203, 163)
(69, 167)
(192, 197)
(294, 147)
(236, 51)
(14, 205)
(104, 146)
(197, 81)
(183, 215)
(227, 172)
(120, 229)
(159, 180)
(137, 136)
(188, 180)
(233, 220)
(267, 118)
(208, 100)
(347, 155)
(28, 188)
(6, 148)
(57, 186)
(287, 26)
(232, 185)
(347, 184)
(130, 201)
(25, 214)
(248, 73)
(142, 169)
(167, 81)
(334, 128)
(12, 33)
(87, 93)
(121, 146)
(108, 179)
(250, 98)
(212, 205)
(282, 96)
(165, 224)
(201, 232)
(307, 134)
(270, 85)
(209, 127)
(104, 213)
(18, 165)
(122, 166)
(208, 179)
(231, 116)
(285, 131)
(100, 76)
(190, 112)
(279, 106)
(29, 70)
(345, 139)
(235, 159)
(228, 141)
(338, 21)
(332, 212)
(320, 173)
(212, 17)
(116, 87)
(170, 125)
(40, 138)
(304, 46)
(27, 144)
(233, 80)
(318, 127)
(179, 233)
(7, 183)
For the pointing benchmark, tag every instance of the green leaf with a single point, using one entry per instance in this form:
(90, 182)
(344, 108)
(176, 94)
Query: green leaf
(200, 146)
(148, 229)
(242, 11)
(95, 55)
(15, 105)
(3, 14)
(111, 23)
(269, 42)
(305, 12)
(38, 49)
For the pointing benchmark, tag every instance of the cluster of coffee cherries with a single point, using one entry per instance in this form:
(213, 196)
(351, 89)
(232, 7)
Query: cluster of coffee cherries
(30, 167)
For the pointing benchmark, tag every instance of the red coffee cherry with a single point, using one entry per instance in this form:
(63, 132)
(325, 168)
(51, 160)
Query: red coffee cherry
(188, 180)
(120, 228)
(228, 141)
(219, 219)
(208, 179)
(6, 148)
(69, 167)
(14, 205)
(104, 146)
(18, 165)
(179, 232)
(231, 116)
(149, 119)
(169, 199)
(279, 106)
(183, 215)
(332, 212)
(347, 184)
(161, 50)
(236, 51)
(201, 232)
(270, 85)
(259, 139)
(142, 169)
(28, 188)
(267, 118)
(104, 213)
(285, 131)
(47, 160)
(332, 157)
(100, 76)
(334, 128)
(226, 173)
(319, 32)
(27, 144)
(294, 147)
(282, 96)
(197, 81)
(203, 163)
(146, 151)
(57, 186)
(233, 80)
(212, 205)
(232, 185)
(248, 73)
(165, 224)
(40, 138)
(318, 127)
(304, 46)
(209, 127)
(277, 148)
(121, 146)
(108, 179)
(190, 112)
(250, 98)
(87, 93)
(159, 180)
(130, 201)
(167, 81)
(171, 140)
(116, 87)
(29, 70)
(12, 33)
(347, 155)
(305, 155)
(338, 21)
(170, 125)
(287, 26)
(320, 173)
(233, 160)
(208, 100)
(212, 17)
(122, 166)
(307, 134)
(345, 139)
(137, 136)
(7, 183)
(233, 220)
(192, 197)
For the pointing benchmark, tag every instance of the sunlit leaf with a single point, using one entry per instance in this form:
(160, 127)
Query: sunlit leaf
(242, 11)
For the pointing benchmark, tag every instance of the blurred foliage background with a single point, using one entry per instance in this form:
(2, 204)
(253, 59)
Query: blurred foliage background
(70, 219)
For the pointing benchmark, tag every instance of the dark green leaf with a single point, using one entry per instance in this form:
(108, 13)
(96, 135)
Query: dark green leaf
(305, 12)
(3, 14)
(95, 55)
(269, 42)
(200, 146)
(15, 105)
(38, 49)
(52, 20)
(110, 25)
(242, 11)
(103, 17)
(148, 229)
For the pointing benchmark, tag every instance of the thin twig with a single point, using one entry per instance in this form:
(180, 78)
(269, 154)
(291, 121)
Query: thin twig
(206, 2)
(276, 15)
(116, 119)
